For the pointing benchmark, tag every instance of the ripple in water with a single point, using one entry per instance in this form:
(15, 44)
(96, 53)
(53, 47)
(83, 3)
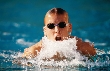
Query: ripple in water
(66, 51)
(56, 54)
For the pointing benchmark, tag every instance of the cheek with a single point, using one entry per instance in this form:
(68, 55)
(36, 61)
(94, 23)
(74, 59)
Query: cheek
(49, 32)
(64, 31)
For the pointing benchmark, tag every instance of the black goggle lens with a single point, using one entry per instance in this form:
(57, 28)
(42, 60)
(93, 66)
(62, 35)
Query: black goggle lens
(50, 26)
(60, 25)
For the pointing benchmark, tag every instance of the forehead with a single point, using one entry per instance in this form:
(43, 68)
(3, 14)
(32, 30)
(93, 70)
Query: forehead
(53, 18)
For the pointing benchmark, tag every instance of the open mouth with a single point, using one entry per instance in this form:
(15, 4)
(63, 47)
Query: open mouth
(58, 38)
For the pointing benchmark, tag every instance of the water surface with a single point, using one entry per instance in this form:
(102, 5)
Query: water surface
(21, 25)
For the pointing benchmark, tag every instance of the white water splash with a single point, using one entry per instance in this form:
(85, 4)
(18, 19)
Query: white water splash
(66, 48)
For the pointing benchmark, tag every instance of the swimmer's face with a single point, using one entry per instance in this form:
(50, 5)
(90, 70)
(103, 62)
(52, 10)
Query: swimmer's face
(57, 27)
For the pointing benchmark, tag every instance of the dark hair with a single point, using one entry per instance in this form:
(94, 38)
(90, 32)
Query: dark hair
(56, 11)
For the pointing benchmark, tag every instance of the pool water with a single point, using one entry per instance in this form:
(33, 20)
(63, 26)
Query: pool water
(21, 25)
(15, 40)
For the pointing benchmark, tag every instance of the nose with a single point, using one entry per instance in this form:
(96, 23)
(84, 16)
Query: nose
(57, 29)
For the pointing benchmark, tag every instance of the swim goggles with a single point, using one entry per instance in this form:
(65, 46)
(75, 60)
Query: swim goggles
(60, 25)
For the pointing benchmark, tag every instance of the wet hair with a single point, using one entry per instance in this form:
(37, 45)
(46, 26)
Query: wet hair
(57, 11)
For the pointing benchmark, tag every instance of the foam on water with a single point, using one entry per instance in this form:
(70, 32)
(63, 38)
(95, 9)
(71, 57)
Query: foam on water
(101, 62)
(66, 51)
(65, 48)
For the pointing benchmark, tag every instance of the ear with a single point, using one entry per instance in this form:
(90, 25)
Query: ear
(44, 28)
(70, 28)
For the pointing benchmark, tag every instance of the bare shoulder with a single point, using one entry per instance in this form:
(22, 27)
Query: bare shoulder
(86, 48)
(37, 45)
(32, 50)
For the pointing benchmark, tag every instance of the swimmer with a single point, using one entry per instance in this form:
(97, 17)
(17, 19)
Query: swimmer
(58, 28)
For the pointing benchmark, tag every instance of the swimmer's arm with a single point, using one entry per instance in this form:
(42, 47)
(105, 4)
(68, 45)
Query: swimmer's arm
(31, 52)
(85, 48)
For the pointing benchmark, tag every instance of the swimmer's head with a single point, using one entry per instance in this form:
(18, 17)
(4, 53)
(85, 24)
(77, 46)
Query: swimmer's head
(57, 26)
